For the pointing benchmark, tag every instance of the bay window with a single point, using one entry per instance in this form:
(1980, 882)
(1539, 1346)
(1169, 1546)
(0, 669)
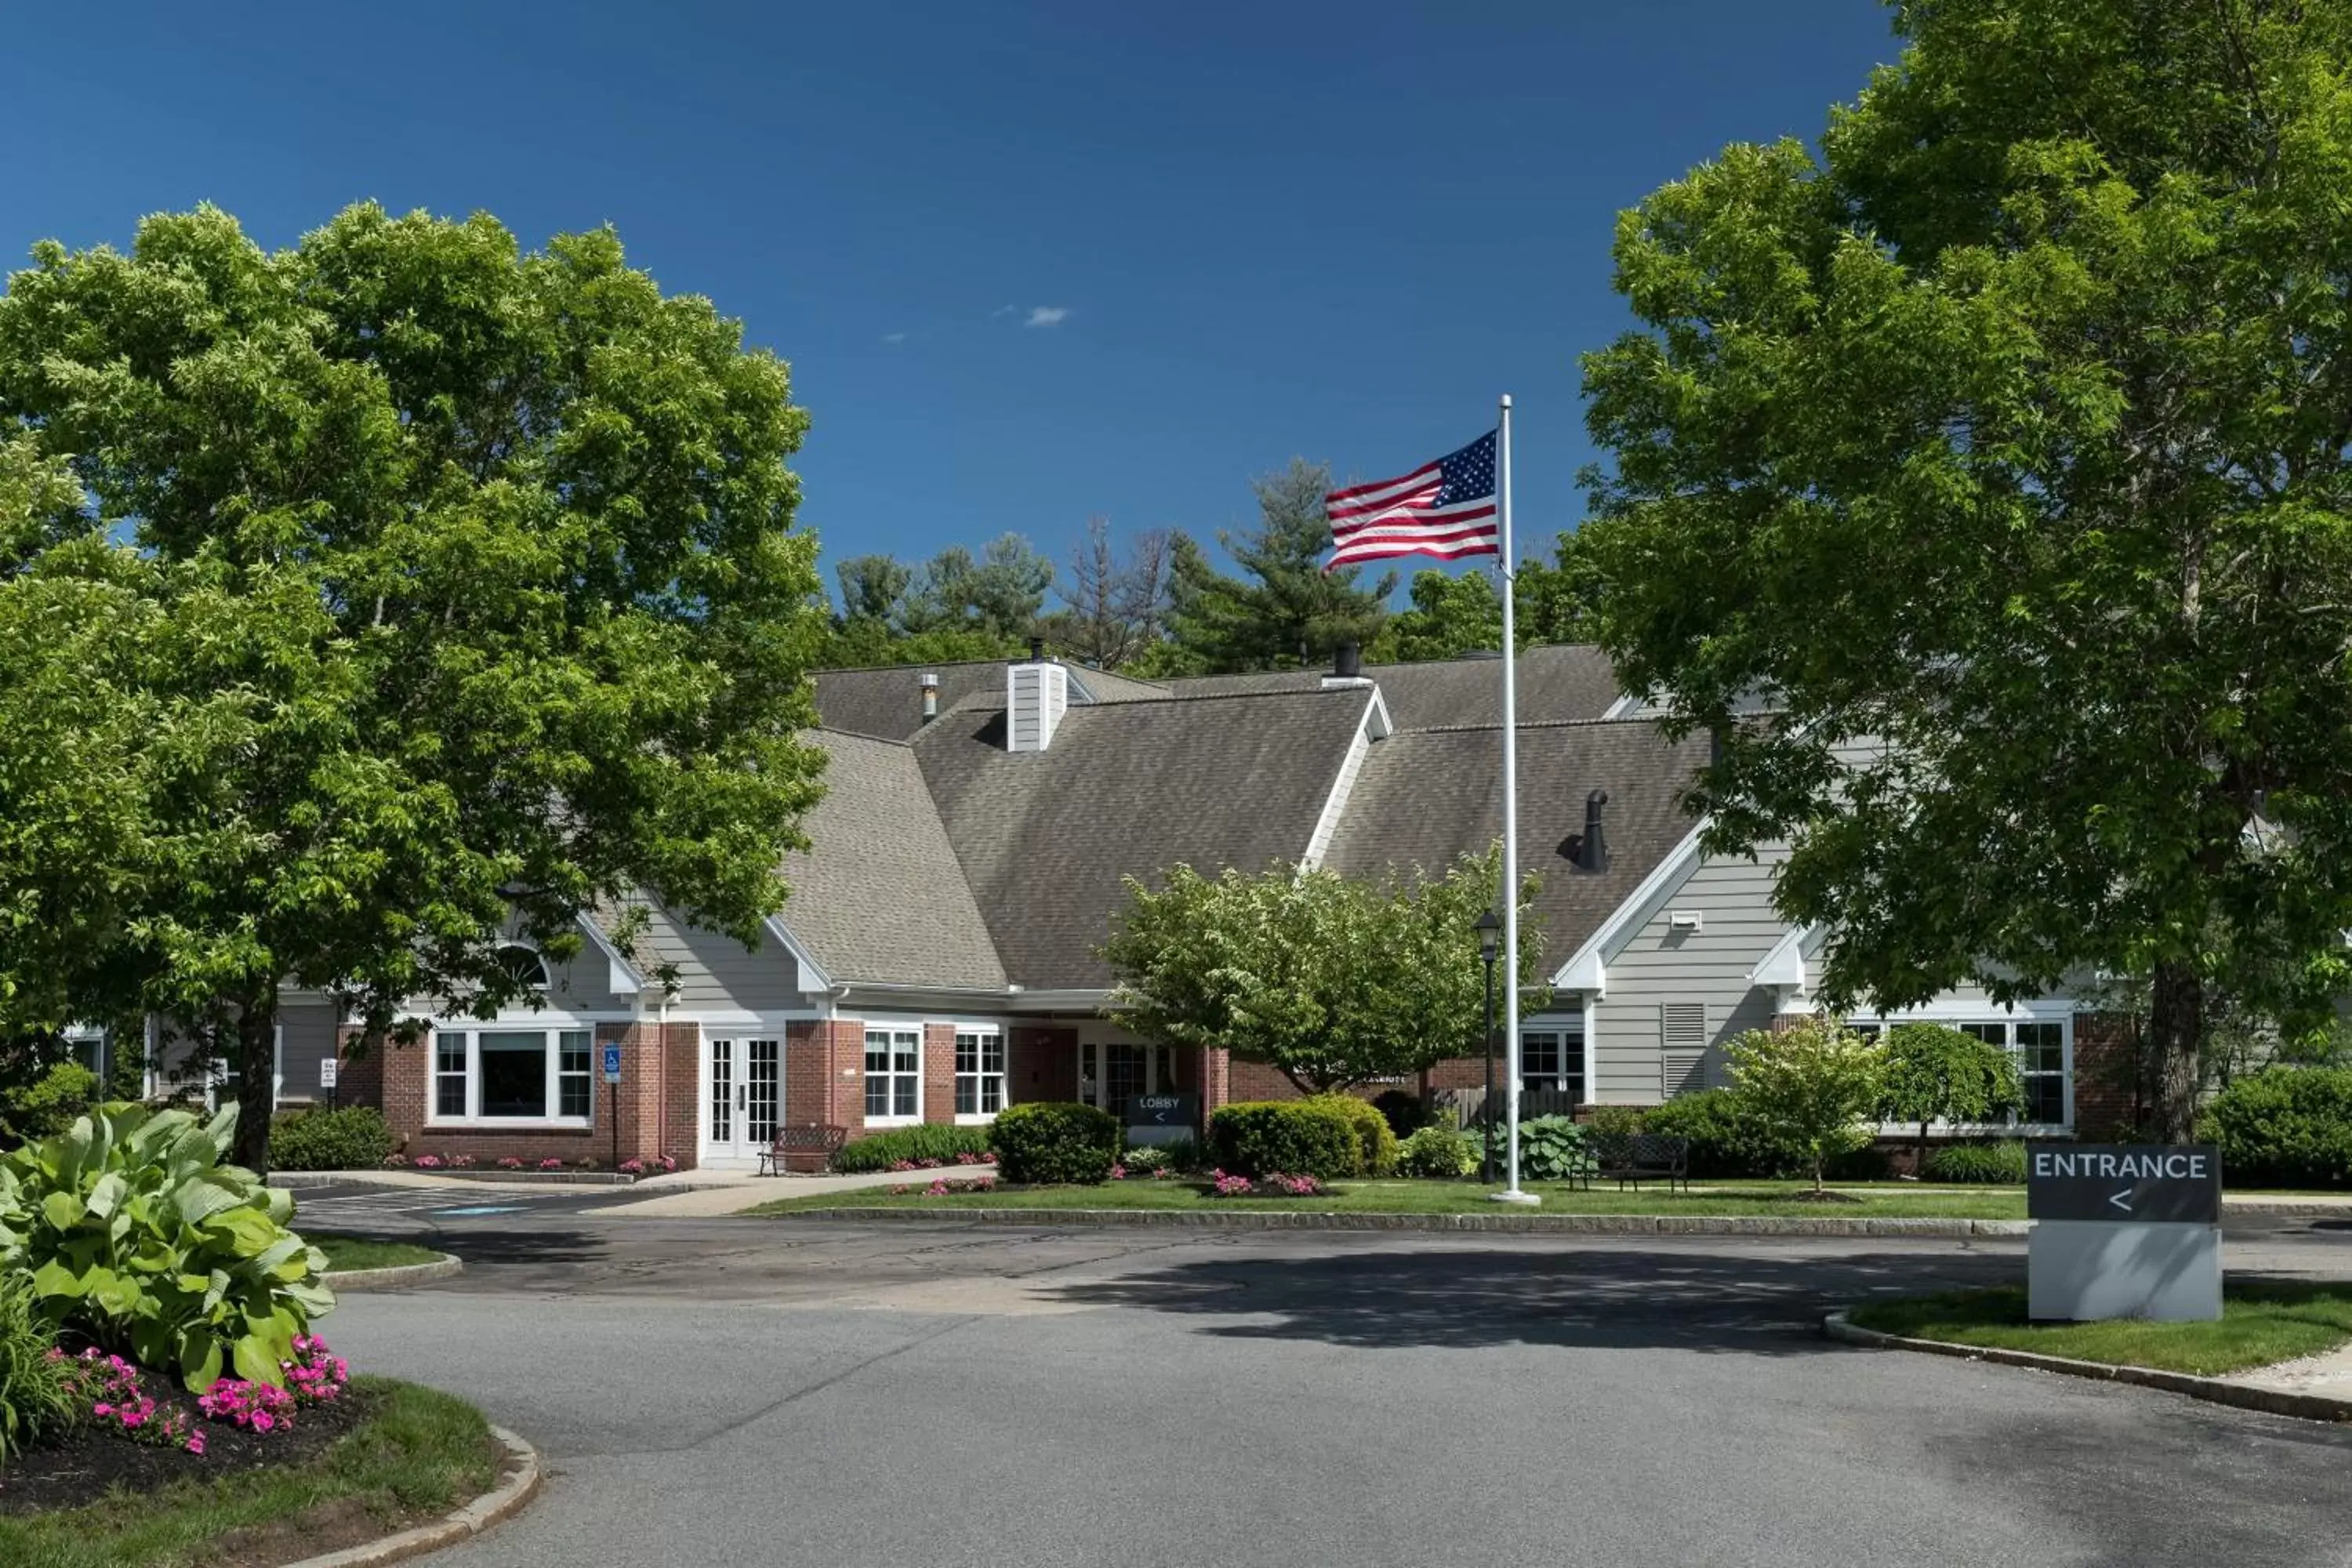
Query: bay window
(537, 1075)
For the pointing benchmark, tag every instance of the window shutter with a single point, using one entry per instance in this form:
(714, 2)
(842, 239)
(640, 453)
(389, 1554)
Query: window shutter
(1682, 1056)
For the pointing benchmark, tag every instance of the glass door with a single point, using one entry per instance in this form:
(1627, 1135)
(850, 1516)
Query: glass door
(747, 1094)
(762, 1093)
(720, 1129)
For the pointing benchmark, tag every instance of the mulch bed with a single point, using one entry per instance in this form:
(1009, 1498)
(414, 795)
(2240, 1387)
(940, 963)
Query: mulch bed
(84, 1466)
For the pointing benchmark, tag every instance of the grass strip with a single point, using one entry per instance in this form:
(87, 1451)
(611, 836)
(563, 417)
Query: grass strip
(2262, 1322)
(420, 1454)
(1905, 1201)
(346, 1254)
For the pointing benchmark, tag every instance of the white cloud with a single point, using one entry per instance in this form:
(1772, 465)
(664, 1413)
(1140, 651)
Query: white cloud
(1002, 311)
(893, 338)
(1046, 315)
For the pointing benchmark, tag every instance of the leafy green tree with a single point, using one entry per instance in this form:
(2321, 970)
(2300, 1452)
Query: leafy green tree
(2004, 445)
(462, 595)
(1287, 612)
(1330, 982)
(873, 587)
(1937, 1073)
(1813, 1086)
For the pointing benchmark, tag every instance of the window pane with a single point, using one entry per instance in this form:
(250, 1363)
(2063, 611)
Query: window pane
(966, 1094)
(514, 1072)
(574, 1088)
(449, 1095)
(877, 1051)
(878, 1095)
(902, 1102)
(991, 1053)
(450, 1052)
(907, 1051)
(574, 1046)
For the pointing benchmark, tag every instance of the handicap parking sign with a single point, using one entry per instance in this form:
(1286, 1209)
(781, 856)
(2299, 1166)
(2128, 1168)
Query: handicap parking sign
(612, 1061)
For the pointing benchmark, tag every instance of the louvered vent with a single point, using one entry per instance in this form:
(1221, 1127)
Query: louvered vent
(1681, 1059)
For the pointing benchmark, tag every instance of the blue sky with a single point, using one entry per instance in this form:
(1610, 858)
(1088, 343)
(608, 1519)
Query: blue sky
(1031, 263)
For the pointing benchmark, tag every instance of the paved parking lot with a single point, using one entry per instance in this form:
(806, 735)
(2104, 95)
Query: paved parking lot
(756, 1390)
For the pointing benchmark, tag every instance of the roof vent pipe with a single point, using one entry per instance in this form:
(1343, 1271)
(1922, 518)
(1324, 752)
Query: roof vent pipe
(1349, 662)
(1593, 854)
(930, 684)
(1037, 650)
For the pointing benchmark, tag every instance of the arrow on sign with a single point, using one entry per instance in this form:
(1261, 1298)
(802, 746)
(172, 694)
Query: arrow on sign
(2122, 1200)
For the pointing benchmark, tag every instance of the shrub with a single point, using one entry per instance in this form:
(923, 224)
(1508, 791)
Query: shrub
(2284, 1127)
(1816, 1085)
(1051, 1142)
(1376, 1140)
(1439, 1152)
(938, 1141)
(1302, 1137)
(2002, 1162)
(351, 1138)
(1553, 1149)
(1155, 1159)
(1726, 1139)
(35, 1396)
(1614, 1121)
(48, 1105)
(139, 1239)
(1407, 1113)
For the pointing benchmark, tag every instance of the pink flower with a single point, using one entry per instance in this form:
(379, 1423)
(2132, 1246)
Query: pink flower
(550, 1165)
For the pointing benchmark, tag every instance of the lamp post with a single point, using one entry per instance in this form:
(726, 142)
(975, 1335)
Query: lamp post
(1489, 928)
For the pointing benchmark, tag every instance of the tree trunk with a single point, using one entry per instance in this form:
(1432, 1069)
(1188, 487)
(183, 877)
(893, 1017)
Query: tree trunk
(257, 1068)
(1919, 1162)
(2175, 1031)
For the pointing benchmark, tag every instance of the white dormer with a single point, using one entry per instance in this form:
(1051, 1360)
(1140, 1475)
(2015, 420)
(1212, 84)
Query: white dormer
(1037, 694)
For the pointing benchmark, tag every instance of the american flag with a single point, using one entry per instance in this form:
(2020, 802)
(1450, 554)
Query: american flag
(1445, 509)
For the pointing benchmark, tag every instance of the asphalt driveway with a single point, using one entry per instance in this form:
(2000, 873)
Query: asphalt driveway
(745, 1391)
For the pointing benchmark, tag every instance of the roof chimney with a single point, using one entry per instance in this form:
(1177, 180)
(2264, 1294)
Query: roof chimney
(1593, 854)
(1347, 668)
(1037, 694)
(1036, 649)
(930, 684)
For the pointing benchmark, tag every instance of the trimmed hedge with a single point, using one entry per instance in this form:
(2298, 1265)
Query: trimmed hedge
(1726, 1138)
(351, 1138)
(2284, 1127)
(1292, 1137)
(1439, 1152)
(1376, 1140)
(2000, 1164)
(1049, 1143)
(940, 1141)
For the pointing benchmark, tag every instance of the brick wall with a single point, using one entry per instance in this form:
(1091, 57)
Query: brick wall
(1462, 1072)
(939, 1072)
(1040, 1062)
(359, 1073)
(824, 1073)
(1256, 1080)
(1216, 1081)
(2107, 1090)
(678, 1102)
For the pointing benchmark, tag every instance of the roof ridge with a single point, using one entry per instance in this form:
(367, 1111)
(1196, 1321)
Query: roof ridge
(858, 735)
(1631, 719)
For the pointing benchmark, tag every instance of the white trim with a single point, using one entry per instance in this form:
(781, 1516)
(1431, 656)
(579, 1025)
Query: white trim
(1784, 965)
(1003, 1075)
(1585, 969)
(812, 979)
(921, 1031)
(1625, 707)
(1592, 1053)
(2059, 1010)
(622, 978)
(547, 1023)
(1372, 725)
(742, 1153)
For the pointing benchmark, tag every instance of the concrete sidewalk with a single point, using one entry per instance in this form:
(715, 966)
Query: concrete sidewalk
(705, 1194)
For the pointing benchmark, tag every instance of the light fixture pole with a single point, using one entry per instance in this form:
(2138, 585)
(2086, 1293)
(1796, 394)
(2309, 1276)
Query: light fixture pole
(1489, 927)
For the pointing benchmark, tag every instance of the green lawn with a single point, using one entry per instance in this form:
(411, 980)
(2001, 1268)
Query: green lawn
(347, 1253)
(422, 1453)
(2261, 1322)
(1906, 1200)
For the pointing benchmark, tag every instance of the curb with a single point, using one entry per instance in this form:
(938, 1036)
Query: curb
(2214, 1390)
(501, 1503)
(1567, 1224)
(295, 1181)
(396, 1278)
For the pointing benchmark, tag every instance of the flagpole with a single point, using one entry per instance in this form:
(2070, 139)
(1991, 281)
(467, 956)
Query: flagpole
(1510, 805)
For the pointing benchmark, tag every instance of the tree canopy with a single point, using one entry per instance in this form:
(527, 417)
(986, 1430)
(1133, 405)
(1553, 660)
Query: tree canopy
(2004, 445)
(1933, 1073)
(369, 601)
(1332, 982)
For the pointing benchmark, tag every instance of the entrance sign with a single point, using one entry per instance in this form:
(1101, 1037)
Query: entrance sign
(612, 1061)
(2124, 1230)
(2116, 1183)
(327, 1066)
(1162, 1118)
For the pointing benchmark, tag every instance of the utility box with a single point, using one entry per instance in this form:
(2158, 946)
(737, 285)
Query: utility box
(2124, 1230)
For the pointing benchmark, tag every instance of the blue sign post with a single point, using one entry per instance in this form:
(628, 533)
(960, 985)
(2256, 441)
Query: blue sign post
(612, 1094)
(612, 1061)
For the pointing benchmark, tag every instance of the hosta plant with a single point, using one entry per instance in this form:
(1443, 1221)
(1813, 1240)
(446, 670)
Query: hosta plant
(137, 1237)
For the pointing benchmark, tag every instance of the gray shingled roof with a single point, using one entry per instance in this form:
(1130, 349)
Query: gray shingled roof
(1426, 796)
(879, 895)
(888, 701)
(1127, 788)
(1556, 683)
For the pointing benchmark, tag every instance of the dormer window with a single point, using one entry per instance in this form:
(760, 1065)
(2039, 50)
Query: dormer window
(525, 963)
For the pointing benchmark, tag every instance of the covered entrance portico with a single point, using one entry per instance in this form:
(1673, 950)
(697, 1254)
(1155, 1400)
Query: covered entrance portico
(1114, 1067)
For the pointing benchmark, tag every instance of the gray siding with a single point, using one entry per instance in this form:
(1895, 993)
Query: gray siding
(717, 974)
(1657, 964)
(307, 1038)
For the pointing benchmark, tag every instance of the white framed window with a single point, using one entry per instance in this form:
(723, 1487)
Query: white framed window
(1551, 1061)
(525, 963)
(507, 1076)
(2039, 1044)
(894, 1073)
(980, 1072)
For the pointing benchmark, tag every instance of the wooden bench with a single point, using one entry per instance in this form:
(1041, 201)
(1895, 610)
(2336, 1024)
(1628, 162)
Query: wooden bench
(1643, 1157)
(803, 1148)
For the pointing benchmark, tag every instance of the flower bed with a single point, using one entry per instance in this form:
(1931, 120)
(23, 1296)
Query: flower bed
(1273, 1185)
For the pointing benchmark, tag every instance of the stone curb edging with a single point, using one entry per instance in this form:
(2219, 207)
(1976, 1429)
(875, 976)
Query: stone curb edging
(396, 1276)
(501, 1503)
(295, 1180)
(2216, 1390)
(1569, 1224)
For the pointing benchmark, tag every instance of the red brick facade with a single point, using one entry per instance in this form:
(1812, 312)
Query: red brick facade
(2109, 1095)
(939, 1072)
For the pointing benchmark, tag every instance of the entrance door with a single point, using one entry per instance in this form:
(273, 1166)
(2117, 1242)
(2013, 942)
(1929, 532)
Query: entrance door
(1110, 1075)
(745, 1075)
